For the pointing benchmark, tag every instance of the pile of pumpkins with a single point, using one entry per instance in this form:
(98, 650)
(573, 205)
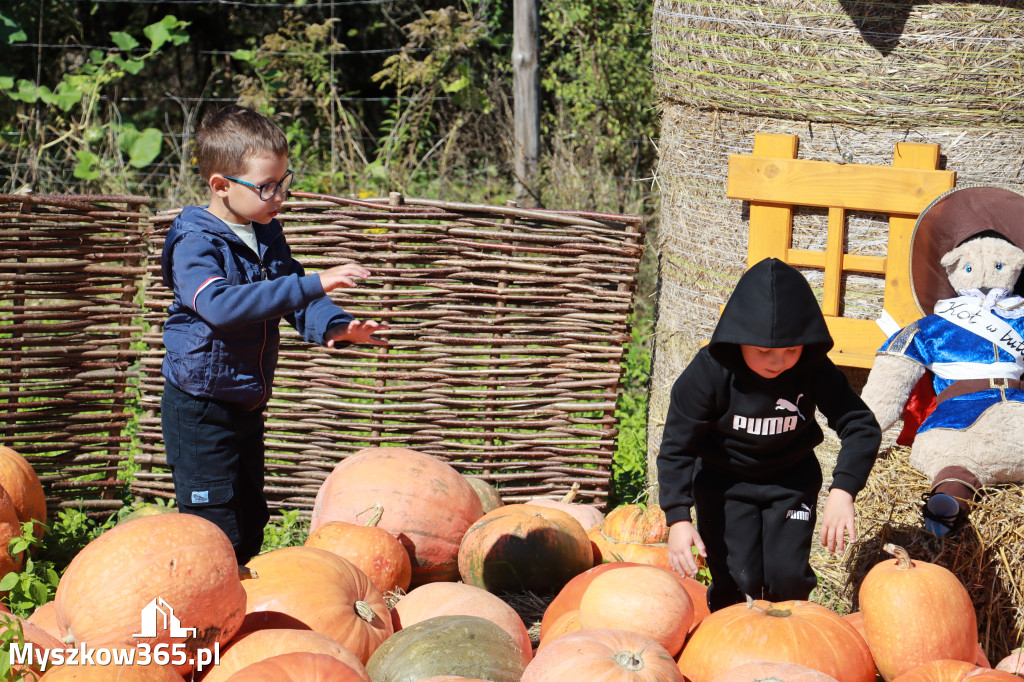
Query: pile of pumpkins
(400, 577)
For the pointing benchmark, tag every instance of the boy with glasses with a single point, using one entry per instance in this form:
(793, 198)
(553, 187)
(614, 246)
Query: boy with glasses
(233, 279)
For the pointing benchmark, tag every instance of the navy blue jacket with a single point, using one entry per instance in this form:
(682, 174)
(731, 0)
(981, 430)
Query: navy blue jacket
(221, 334)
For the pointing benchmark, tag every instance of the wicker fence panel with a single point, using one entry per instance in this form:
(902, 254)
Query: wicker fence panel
(70, 309)
(506, 335)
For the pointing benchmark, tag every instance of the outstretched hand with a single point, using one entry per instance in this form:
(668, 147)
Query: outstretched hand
(342, 276)
(356, 331)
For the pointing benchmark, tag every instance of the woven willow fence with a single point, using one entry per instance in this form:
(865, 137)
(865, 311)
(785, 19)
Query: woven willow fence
(70, 309)
(506, 335)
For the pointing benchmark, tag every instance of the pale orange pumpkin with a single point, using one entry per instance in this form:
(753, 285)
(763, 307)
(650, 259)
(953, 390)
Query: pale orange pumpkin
(45, 617)
(588, 515)
(414, 488)
(324, 592)
(253, 647)
(915, 612)
(450, 678)
(785, 632)
(603, 655)
(111, 673)
(524, 547)
(460, 599)
(180, 562)
(568, 598)
(1013, 662)
(568, 622)
(645, 599)
(31, 633)
(373, 550)
(298, 667)
(761, 671)
(938, 670)
(21, 482)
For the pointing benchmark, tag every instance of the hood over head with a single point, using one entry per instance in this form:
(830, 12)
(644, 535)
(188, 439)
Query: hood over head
(772, 307)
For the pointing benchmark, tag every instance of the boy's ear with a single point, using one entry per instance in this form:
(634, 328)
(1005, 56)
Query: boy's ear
(219, 184)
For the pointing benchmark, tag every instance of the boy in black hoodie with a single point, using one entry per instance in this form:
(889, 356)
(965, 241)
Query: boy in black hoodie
(739, 444)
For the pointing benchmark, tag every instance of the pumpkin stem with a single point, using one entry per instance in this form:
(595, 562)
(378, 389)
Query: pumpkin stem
(246, 573)
(378, 511)
(903, 561)
(364, 611)
(629, 660)
(571, 495)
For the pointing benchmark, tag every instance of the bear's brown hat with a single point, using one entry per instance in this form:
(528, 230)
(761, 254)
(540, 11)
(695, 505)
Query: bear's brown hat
(951, 218)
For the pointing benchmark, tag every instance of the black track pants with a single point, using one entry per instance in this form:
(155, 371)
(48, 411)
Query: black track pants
(758, 533)
(215, 453)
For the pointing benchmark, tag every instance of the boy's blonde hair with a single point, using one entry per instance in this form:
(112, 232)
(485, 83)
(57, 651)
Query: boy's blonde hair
(228, 138)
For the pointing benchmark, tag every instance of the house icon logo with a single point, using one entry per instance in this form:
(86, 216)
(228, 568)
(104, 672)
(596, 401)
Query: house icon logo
(157, 614)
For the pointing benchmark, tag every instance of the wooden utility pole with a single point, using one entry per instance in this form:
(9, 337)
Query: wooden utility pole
(526, 92)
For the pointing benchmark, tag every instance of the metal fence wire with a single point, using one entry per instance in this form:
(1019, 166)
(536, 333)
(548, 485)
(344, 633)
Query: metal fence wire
(505, 348)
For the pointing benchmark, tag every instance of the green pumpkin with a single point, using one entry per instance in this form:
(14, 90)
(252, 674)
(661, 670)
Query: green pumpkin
(488, 494)
(467, 646)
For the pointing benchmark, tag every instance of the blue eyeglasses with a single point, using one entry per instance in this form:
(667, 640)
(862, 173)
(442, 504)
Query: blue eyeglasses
(268, 190)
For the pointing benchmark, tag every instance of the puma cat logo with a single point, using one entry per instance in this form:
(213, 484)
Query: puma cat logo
(783, 404)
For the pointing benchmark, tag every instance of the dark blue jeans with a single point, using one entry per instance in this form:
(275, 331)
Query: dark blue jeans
(215, 453)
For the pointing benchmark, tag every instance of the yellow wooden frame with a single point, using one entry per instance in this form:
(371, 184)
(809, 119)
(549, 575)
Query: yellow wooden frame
(773, 180)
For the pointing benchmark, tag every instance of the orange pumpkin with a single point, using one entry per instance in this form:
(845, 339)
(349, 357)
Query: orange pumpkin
(915, 612)
(635, 533)
(786, 632)
(602, 655)
(10, 527)
(523, 547)
(322, 591)
(373, 550)
(111, 673)
(589, 516)
(253, 647)
(176, 562)
(298, 667)
(1013, 663)
(460, 599)
(760, 671)
(21, 482)
(645, 599)
(568, 599)
(414, 488)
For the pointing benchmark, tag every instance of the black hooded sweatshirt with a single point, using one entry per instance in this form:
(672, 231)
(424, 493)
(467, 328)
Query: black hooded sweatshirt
(753, 428)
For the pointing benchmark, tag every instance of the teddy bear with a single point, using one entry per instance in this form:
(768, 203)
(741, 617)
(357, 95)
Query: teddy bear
(971, 346)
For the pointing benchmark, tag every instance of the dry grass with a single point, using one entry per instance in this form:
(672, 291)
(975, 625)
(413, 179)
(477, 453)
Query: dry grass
(987, 556)
(854, 61)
